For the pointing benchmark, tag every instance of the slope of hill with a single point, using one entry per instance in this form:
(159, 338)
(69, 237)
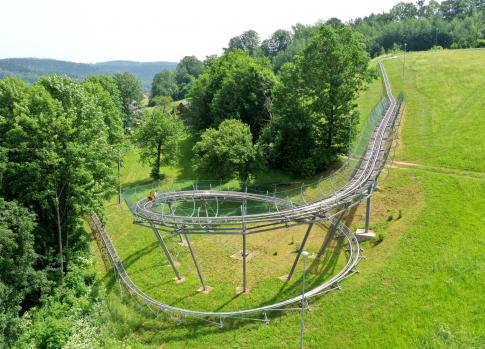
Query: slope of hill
(419, 287)
(30, 69)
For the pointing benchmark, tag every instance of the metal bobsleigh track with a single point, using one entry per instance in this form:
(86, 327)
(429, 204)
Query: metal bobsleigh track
(360, 187)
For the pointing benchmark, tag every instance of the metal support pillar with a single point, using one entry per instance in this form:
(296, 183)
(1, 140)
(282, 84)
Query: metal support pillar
(330, 234)
(244, 255)
(201, 278)
(165, 250)
(244, 251)
(310, 226)
(367, 209)
(172, 212)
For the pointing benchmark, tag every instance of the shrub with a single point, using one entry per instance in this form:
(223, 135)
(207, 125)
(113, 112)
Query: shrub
(379, 238)
(227, 152)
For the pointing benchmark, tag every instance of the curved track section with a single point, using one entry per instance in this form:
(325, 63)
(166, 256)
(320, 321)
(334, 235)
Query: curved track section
(358, 188)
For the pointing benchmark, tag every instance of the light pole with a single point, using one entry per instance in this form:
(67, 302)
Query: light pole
(404, 63)
(305, 255)
(119, 177)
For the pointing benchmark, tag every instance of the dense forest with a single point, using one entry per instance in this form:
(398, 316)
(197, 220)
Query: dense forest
(31, 69)
(286, 103)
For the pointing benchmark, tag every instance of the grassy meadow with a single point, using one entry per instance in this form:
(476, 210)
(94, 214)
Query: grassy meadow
(421, 286)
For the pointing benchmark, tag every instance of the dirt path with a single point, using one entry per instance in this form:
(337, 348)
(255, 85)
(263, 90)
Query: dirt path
(444, 170)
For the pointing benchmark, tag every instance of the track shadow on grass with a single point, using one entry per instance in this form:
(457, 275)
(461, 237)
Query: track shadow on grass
(323, 267)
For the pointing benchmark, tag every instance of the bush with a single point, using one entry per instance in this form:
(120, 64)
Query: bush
(227, 152)
(379, 238)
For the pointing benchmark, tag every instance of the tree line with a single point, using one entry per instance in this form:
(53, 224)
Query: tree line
(59, 144)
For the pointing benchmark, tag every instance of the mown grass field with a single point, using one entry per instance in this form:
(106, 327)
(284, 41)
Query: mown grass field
(422, 286)
(445, 115)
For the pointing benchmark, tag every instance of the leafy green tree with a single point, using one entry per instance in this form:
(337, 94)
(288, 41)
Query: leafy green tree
(164, 102)
(234, 85)
(164, 84)
(131, 96)
(314, 104)
(403, 11)
(276, 43)
(226, 152)
(59, 160)
(299, 38)
(110, 108)
(17, 259)
(187, 70)
(157, 138)
(247, 42)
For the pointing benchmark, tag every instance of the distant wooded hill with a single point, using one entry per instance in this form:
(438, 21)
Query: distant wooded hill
(30, 69)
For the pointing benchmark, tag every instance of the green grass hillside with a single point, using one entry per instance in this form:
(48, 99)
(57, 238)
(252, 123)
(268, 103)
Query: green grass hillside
(445, 113)
(422, 286)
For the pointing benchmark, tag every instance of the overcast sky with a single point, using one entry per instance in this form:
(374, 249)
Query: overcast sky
(150, 30)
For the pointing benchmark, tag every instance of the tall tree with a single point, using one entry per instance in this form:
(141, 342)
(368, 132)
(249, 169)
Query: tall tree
(247, 41)
(164, 84)
(110, 107)
(226, 152)
(131, 96)
(276, 43)
(188, 69)
(318, 91)
(17, 259)
(234, 85)
(157, 138)
(59, 161)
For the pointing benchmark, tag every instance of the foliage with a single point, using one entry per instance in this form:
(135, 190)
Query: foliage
(314, 105)
(108, 100)
(276, 43)
(226, 152)
(176, 84)
(164, 102)
(131, 95)
(451, 24)
(188, 69)
(234, 85)
(157, 138)
(285, 50)
(72, 316)
(164, 84)
(58, 160)
(18, 279)
(247, 42)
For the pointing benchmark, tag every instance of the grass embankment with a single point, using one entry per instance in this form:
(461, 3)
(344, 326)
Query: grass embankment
(422, 285)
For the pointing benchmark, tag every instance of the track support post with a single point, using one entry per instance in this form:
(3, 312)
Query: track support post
(194, 258)
(367, 208)
(331, 234)
(302, 247)
(166, 251)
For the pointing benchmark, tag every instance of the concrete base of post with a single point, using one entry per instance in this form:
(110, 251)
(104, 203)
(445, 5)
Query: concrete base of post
(179, 281)
(240, 290)
(362, 235)
(206, 291)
